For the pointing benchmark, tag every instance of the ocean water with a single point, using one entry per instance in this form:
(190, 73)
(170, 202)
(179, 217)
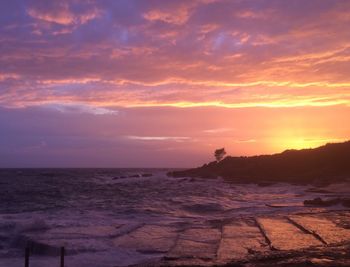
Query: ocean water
(86, 210)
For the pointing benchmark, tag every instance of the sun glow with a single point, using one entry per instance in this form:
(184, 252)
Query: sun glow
(284, 143)
(301, 143)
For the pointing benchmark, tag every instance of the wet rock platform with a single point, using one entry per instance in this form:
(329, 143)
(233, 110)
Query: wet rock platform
(312, 239)
(298, 239)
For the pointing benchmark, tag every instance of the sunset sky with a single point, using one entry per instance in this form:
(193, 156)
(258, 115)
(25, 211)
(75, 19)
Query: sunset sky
(107, 83)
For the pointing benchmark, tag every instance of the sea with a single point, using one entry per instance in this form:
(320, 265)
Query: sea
(86, 210)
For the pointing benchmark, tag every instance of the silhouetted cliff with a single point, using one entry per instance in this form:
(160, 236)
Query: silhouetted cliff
(325, 164)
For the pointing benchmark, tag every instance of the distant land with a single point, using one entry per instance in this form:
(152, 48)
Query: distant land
(323, 165)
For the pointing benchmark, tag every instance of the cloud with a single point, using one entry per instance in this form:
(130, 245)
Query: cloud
(81, 108)
(177, 18)
(217, 130)
(17, 92)
(245, 141)
(61, 13)
(59, 18)
(158, 138)
(232, 54)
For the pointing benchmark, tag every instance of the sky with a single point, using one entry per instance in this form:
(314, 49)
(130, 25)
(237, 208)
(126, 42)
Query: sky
(160, 83)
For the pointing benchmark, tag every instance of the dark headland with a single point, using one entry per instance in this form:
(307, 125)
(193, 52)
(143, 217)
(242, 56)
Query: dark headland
(323, 165)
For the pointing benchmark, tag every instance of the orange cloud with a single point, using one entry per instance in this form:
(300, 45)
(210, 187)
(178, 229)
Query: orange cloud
(177, 54)
(61, 14)
(179, 17)
(62, 17)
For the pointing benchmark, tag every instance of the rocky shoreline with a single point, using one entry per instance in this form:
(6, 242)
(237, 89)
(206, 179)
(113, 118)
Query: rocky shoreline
(319, 166)
(311, 239)
(320, 238)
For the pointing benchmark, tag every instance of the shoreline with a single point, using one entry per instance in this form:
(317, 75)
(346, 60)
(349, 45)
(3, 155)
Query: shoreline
(301, 244)
(319, 238)
(319, 166)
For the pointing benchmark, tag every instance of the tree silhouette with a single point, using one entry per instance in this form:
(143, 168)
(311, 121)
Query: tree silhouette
(219, 154)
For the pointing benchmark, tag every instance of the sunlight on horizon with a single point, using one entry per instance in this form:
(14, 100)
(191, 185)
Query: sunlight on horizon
(298, 143)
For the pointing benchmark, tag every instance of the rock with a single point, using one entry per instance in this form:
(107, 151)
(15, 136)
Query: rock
(322, 261)
(240, 240)
(204, 208)
(198, 243)
(134, 176)
(327, 230)
(283, 205)
(264, 184)
(193, 249)
(346, 202)
(283, 235)
(317, 190)
(206, 235)
(148, 239)
(318, 202)
(327, 203)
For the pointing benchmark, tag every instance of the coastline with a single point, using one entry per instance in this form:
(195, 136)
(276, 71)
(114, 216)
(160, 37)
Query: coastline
(290, 240)
(318, 166)
(169, 221)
